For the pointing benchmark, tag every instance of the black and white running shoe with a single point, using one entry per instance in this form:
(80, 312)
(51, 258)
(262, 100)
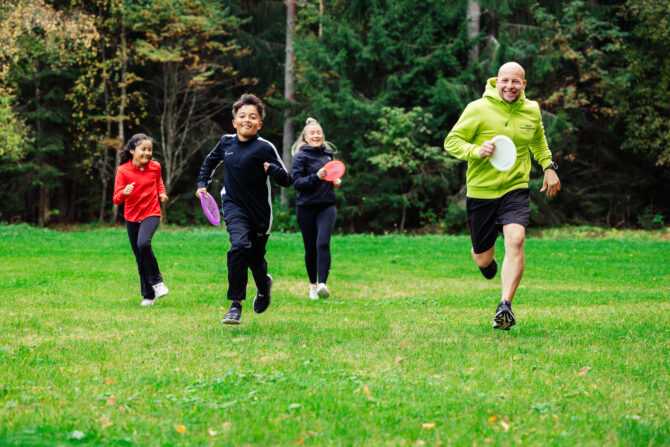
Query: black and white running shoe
(504, 318)
(234, 315)
(262, 302)
(490, 270)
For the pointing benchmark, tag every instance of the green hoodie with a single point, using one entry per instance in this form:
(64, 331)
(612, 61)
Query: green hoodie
(482, 120)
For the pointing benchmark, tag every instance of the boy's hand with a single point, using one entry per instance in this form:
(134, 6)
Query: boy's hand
(201, 191)
(163, 198)
(129, 188)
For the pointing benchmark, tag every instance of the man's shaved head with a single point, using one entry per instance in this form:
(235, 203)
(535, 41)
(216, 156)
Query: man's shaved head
(511, 82)
(512, 67)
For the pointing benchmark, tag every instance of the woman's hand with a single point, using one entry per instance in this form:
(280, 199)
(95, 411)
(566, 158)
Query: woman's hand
(163, 197)
(201, 191)
(129, 188)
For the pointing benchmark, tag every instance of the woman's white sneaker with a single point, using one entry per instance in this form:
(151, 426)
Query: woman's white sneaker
(322, 291)
(312, 292)
(160, 289)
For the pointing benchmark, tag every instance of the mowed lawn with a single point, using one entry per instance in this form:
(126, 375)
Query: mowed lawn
(401, 354)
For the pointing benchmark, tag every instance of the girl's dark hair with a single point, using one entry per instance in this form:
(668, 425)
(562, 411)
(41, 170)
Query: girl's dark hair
(249, 99)
(131, 145)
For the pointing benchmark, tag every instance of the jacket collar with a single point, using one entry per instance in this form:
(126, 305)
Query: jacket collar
(250, 140)
(319, 150)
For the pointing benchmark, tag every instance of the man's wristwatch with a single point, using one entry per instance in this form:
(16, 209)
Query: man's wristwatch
(553, 165)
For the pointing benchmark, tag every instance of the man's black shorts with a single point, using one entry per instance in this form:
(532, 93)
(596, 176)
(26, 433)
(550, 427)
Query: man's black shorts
(487, 216)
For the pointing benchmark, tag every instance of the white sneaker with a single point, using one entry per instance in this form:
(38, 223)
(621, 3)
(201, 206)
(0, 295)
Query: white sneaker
(312, 292)
(147, 302)
(160, 289)
(322, 291)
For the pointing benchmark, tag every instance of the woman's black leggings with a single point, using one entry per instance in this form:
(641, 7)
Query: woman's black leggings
(140, 234)
(316, 225)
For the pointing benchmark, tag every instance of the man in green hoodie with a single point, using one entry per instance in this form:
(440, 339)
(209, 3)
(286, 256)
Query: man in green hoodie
(500, 201)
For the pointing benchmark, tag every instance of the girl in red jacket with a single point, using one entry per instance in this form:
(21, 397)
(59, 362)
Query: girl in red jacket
(139, 186)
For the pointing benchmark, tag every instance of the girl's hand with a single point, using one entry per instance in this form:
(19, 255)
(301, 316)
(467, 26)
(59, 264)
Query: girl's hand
(321, 173)
(201, 191)
(266, 165)
(129, 188)
(337, 183)
(163, 197)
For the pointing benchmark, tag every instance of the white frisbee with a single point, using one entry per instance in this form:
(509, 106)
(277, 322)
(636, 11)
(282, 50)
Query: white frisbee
(504, 155)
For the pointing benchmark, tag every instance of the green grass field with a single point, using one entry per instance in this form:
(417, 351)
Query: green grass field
(401, 354)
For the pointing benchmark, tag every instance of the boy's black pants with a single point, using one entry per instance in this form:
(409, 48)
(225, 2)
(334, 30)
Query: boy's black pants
(247, 251)
(140, 234)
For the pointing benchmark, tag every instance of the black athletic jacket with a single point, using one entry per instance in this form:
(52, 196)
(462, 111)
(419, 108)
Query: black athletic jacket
(246, 185)
(311, 189)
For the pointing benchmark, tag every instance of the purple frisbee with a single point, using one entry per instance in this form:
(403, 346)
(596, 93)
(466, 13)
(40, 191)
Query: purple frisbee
(210, 208)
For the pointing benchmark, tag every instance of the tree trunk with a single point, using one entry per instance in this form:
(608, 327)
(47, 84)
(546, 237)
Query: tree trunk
(289, 88)
(320, 18)
(122, 104)
(473, 16)
(104, 163)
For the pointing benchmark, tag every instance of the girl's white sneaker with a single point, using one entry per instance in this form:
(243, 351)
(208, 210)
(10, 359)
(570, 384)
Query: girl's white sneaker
(160, 289)
(322, 291)
(147, 302)
(312, 292)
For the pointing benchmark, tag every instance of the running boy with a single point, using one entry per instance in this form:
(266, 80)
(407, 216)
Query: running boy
(248, 162)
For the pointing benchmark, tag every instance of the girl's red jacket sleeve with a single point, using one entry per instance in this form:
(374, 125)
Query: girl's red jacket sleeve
(143, 201)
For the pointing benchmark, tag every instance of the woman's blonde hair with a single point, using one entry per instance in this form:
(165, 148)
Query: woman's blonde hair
(302, 141)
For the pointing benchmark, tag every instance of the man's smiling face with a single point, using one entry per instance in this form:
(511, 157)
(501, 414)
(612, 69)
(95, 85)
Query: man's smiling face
(511, 81)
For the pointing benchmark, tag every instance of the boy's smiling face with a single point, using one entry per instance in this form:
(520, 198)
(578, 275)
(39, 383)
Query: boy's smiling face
(247, 122)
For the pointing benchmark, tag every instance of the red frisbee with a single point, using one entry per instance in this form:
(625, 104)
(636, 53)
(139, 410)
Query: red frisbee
(210, 208)
(334, 170)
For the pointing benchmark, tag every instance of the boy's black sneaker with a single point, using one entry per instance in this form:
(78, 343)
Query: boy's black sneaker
(504, 318)
(234, 315)
(490, 270)
(262, 301)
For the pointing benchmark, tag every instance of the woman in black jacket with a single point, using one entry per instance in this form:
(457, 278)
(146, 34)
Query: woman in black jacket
(315, 204)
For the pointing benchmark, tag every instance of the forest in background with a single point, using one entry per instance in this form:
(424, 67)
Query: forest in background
(387, 79)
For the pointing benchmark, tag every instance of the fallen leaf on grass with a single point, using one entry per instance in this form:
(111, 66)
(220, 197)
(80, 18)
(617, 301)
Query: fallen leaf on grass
(583, 371)
(504, 425)
(488, 440)
(366, 390)
(399, 359)
(299, 440)
(555, 419)
(104, 422)
(111, 400)
(428, 425)
(493, 419)
(180, 429)
(109, 381)
(226, 425)
(211, 432)
(419, 442)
